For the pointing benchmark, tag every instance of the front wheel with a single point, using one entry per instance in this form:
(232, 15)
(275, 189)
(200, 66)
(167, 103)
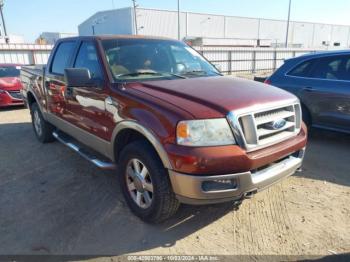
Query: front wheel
(43, 130)
(145, 183)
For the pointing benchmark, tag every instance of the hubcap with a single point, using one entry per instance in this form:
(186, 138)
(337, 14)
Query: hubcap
(37, 123)
(139, 183)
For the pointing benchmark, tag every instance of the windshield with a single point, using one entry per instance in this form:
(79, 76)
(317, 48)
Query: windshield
(147, 59)
(9, 71)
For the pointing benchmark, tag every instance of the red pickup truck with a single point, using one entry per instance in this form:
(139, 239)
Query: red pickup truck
(176, 129)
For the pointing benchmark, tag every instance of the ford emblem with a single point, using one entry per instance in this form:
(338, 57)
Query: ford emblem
(276, 125)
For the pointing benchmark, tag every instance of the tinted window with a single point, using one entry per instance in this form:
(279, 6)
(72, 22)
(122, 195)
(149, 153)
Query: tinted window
(9, 71)
(87, 58)
(62, 57)
(302, 69)
(332, 68)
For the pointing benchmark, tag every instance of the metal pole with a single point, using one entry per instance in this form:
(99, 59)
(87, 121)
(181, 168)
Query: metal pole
(93, 29)
(2, 17)
(135, 16)
(178, 20)
(287, 33)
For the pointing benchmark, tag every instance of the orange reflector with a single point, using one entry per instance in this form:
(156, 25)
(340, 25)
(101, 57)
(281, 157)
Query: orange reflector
(182, 130)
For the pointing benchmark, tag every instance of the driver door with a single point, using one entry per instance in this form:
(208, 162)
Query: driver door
(86, 105)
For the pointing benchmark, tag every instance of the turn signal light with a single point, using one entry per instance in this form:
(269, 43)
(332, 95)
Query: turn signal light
(182, 130)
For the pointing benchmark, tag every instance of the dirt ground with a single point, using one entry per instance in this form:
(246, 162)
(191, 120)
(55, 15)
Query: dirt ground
(54, 202)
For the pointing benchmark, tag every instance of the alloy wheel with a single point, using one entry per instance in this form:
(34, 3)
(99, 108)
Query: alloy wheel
(139, 183)
(37, 123)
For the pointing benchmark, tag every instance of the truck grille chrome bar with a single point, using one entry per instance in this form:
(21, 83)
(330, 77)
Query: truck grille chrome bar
(264, 125)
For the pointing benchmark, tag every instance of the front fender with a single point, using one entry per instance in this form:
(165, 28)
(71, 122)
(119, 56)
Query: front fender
(151, 137)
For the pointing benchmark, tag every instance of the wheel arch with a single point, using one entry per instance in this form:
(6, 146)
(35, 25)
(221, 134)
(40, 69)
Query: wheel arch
(128, 131)
(31, 99)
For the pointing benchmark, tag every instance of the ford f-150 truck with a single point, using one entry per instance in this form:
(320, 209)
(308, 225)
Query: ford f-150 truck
(173, 127)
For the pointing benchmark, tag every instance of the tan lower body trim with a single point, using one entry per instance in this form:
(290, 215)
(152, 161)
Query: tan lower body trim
(98, 144)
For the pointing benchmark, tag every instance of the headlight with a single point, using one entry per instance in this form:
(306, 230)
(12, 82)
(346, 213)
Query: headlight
(211, 132)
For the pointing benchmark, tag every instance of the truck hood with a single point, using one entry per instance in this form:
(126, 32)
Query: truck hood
(210, 97)
(10, 83)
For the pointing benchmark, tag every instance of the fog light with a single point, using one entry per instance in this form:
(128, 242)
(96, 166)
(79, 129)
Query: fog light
(219, 184)
(299, 154)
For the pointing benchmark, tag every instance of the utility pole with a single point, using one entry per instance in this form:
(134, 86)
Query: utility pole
(2, 17)
(288, 22)
(178, 20)
(135, 16)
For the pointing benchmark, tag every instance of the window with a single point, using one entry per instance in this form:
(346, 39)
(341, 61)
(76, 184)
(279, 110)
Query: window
(62, 57)
(332, 68)
(87, 58)
(303, 69)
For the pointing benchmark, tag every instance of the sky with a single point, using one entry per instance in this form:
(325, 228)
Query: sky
(31, 17)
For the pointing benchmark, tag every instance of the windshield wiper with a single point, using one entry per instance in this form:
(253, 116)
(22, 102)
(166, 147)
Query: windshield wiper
(137, 73)
(200, 72)
(195, 72)
(149, 72)
(177, 75)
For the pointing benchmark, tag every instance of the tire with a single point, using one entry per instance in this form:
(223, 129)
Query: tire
(151, 206)
(42, 129)
(306, 116)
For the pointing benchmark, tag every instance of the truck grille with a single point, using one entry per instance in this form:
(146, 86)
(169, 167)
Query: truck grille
(260, 128)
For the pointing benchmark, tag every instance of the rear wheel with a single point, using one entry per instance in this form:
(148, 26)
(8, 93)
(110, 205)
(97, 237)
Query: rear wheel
(145, 183)
(43, 130)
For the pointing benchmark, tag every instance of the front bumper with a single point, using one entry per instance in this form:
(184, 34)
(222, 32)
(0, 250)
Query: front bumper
(10, 98)
(194, 190)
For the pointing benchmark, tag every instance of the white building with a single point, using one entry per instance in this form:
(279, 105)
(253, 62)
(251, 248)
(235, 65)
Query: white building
(225, 29)
(13, 39)
(50, 38)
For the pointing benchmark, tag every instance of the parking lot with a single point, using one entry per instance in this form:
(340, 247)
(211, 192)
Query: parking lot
(54, 202)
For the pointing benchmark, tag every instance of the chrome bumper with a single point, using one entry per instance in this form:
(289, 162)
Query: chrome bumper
(189, 188)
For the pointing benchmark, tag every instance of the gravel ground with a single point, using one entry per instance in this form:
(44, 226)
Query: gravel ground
(54, 202)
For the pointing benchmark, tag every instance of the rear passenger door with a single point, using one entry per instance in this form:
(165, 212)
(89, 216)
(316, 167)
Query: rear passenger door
(330, 89)
(54, 78)
(86, 105)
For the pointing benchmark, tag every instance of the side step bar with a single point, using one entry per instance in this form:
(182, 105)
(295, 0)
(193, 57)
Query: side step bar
(69, 142)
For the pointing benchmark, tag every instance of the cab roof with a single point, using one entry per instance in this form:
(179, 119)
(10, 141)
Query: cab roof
(111, 37)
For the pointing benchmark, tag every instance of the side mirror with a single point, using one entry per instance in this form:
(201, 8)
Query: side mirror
(79, 77)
